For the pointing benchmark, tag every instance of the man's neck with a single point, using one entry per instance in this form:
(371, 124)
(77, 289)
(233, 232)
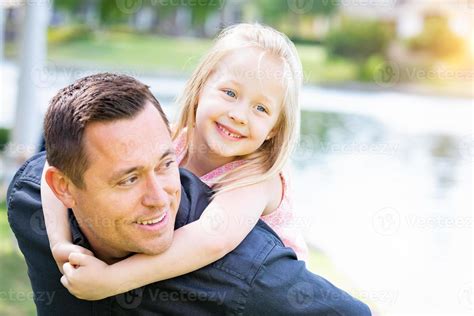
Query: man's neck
(106, 256)
(101, 250)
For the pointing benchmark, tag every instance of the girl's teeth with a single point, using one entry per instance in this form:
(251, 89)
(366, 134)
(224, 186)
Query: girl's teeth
(228, 133)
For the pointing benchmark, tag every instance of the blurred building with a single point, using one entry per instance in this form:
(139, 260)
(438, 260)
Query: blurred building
(409, 15)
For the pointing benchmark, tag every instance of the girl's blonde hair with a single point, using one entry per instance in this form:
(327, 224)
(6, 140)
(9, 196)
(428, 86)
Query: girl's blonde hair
(270, 158)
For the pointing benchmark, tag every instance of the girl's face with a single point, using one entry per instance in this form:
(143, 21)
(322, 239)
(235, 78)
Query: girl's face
(240, 103)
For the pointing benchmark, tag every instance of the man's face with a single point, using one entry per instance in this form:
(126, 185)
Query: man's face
(132, 186)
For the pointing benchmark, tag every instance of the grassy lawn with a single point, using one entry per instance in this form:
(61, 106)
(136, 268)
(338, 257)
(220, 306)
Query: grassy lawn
(144, 54)
(132, 51)
(16, 297)
(176, 56)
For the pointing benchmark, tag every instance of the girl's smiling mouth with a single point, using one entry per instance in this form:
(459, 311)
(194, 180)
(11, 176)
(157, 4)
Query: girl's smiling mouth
(228, 132)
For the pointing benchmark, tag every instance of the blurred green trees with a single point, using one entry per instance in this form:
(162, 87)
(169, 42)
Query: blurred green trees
(335, 45)
(4, 138)
(106, 12)
(359, 39)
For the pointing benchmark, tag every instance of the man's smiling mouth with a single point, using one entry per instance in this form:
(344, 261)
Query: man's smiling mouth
(153, 221)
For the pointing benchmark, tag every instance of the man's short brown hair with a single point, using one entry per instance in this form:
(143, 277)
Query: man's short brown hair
(97, 98)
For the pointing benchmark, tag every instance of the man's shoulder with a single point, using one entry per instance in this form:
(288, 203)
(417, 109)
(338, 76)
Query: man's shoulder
(254, 252)
(247, 258)
(222, 287)
(26, 182)
(24, 199)
(31, 170)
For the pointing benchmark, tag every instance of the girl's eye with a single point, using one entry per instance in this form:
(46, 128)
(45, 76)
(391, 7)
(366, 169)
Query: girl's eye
(261, 108)
(128, 181)
(230, 93)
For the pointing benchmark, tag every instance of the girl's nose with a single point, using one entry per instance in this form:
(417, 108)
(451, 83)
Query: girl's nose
(238, 117)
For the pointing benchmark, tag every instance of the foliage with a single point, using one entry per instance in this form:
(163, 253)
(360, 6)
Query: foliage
(4, 138)
(358, 39)
(437, 39)
(273, 11)
(121, 11)
(371, 68)
(69, 33)
(17, 298)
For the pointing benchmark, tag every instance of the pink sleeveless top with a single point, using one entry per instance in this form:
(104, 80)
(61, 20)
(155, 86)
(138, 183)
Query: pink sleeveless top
(281, 220)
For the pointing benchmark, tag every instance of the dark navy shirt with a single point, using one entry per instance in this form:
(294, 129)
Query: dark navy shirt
(260, 277)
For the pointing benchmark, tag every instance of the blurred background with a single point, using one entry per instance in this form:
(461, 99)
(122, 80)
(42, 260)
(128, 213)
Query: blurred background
(382, 177)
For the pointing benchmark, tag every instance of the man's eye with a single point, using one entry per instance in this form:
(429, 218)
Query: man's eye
(128, 181)
(169, 163)
(230, 93)
(261, 108)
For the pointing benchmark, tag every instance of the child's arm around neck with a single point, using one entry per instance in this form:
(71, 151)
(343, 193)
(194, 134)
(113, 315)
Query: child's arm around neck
(223, 225)
(57, 224)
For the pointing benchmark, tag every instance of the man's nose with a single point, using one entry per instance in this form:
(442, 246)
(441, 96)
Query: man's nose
(239, 114)
(155, 195)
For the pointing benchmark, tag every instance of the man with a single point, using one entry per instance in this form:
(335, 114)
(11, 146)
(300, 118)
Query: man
(111, 156)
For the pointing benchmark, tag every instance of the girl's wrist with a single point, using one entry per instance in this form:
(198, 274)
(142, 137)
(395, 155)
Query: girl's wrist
(118, 281)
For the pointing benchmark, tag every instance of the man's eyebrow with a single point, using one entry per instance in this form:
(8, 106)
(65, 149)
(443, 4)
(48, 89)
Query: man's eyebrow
(169, 152)
(116, 175)
(125, 171)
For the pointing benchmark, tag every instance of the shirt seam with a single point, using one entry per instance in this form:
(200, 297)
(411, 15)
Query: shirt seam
(250, 284)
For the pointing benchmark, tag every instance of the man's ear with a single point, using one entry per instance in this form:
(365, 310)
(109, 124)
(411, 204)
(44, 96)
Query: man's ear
(61, 186)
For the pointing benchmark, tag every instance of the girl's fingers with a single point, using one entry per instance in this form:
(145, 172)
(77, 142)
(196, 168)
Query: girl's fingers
(65, 282)
(77, 258)
(87, 252)
(83, 250)
(68, 269)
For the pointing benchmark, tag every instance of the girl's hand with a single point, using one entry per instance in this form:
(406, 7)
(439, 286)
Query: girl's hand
(88, 278)
(62, 250)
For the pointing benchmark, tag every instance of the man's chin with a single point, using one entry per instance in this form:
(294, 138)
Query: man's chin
(158, 246)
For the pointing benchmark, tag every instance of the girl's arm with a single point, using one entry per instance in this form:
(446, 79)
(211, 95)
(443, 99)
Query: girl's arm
(57, 224)
(221, 228)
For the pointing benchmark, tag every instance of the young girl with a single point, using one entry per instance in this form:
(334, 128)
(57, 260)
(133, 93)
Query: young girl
(238, 123)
